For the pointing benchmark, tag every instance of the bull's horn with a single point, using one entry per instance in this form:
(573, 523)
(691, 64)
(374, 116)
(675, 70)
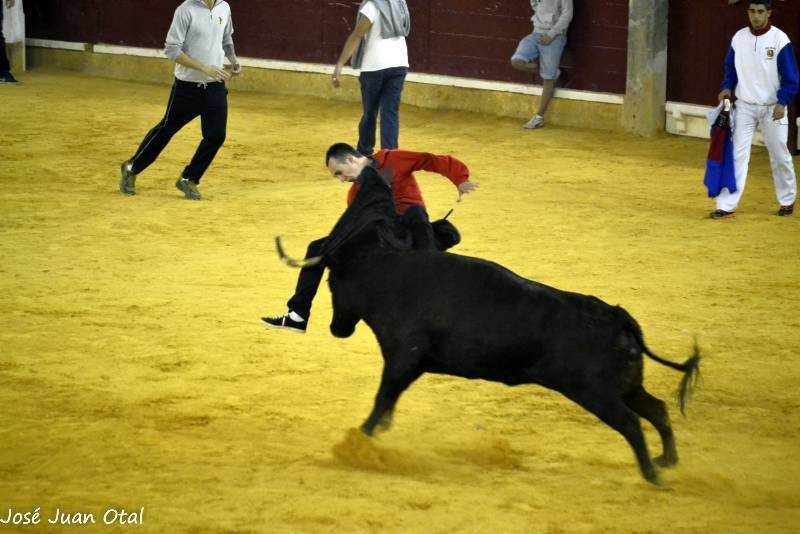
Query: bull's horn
(308, 262)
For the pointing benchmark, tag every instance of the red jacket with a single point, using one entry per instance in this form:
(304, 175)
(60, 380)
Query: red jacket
(400, 166)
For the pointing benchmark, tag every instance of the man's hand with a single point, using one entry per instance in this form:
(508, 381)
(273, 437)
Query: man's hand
(725, 93)
(218, 73)
(335, 79)
(778, 112)
(545, 40)
(466, 187)
(236, 69)
(10, 3)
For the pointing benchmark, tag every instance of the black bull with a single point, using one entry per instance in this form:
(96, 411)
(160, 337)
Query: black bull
(438, 312)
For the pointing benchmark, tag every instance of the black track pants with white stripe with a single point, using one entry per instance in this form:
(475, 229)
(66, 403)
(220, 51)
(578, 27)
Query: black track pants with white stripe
(187, 101)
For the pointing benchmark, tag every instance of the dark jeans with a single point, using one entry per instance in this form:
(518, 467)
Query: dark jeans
(5, 68)
(415, 219)
(380, 91)
(186, 101)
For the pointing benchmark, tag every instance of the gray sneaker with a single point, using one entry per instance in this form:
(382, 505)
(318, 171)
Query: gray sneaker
(127, 181)
(189, 189)
(537, 121)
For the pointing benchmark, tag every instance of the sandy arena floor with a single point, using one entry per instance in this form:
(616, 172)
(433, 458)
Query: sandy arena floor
(135, 374)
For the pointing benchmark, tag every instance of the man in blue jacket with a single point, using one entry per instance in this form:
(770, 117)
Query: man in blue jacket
(761, 67)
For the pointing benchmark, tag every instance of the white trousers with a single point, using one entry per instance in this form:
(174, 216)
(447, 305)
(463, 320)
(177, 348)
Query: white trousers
(776, 135)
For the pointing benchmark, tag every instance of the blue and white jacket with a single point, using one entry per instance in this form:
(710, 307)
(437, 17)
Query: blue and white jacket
(761, 67)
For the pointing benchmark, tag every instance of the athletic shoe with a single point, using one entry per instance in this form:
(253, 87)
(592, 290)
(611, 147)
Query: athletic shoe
(785, 211)
(189, 189)
(8, 78)
(722, 214)
(127, 180)
(537, 121)
(285, 322)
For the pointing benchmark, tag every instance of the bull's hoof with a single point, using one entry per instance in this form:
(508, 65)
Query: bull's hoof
(664, 461)
(384, 424)
(653, 478)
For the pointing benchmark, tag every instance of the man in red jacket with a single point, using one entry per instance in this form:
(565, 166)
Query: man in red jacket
(397, 166)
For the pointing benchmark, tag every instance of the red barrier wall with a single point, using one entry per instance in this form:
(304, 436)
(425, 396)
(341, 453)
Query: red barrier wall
(469, 38)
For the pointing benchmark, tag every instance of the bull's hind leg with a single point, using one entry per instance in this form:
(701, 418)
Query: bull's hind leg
(395, 379)
(655, 411)
(618, 416)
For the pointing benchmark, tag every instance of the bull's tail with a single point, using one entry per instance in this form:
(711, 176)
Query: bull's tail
(690, 368)
(691, 374)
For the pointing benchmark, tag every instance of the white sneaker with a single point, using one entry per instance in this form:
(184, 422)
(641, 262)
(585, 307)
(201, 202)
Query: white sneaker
(537, 121)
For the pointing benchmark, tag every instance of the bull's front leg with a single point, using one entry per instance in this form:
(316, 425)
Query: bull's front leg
(397, 376)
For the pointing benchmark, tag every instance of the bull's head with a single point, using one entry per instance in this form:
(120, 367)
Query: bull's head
(370, 220)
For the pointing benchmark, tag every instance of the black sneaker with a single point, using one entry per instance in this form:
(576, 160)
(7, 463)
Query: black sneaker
(285, 322)
(189, 189)
(785, 211)
(127, 180)
(722, 214)
(8, 78)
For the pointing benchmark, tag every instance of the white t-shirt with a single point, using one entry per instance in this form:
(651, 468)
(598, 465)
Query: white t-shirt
(381, 53)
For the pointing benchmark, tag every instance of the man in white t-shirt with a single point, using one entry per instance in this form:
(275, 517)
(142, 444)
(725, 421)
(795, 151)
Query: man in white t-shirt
(377, 46)
(5, 67)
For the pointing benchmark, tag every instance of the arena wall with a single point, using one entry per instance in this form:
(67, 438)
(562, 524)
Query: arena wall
(462, 38)
(571, 109)
(457, 46)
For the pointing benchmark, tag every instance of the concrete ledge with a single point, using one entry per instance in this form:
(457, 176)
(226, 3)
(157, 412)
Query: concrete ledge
(690, 119)
(569, 108)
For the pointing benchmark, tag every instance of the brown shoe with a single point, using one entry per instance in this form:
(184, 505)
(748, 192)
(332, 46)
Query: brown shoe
(785, 211)
(722, 214)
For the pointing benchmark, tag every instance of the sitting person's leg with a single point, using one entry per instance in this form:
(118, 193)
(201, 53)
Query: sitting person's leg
(416, 220)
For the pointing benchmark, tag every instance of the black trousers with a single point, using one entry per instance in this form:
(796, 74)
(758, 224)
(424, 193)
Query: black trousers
(415, 219)
(5, 68)
(186, 101)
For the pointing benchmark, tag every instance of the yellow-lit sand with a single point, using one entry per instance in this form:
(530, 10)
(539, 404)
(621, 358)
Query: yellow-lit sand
(134, 371)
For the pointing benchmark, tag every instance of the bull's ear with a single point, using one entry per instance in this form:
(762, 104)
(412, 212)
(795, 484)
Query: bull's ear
(308, 262)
